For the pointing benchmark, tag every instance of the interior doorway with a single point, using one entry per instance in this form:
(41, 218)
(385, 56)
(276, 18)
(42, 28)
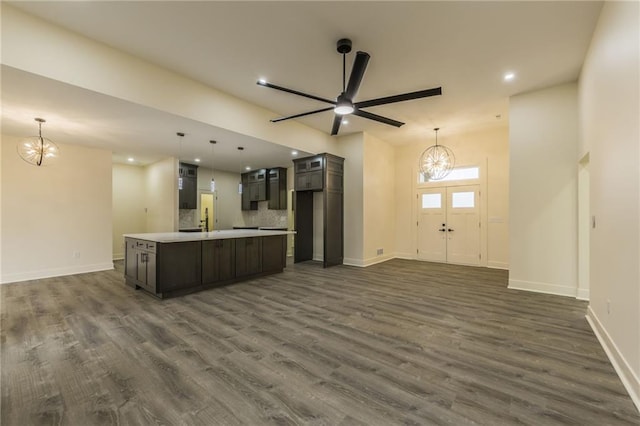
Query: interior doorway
(449, 224)
(207, 212)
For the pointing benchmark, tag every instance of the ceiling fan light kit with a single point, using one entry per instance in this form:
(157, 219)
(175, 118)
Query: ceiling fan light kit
(344, 104)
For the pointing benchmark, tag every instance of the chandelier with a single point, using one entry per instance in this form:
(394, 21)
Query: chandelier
(437, 161)
(35, 149)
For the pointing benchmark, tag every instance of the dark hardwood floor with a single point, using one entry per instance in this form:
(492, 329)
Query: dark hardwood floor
(401, 342)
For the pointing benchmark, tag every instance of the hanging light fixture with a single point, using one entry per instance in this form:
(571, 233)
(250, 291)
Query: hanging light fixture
(213, 182)
(180, 136)
(437, 161)
(35, 149)
(240, 148)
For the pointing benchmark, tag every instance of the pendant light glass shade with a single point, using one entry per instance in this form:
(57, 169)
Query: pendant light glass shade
(437, 161)
(180, 136)
(212, 186)
(36, 149)
(240, 148)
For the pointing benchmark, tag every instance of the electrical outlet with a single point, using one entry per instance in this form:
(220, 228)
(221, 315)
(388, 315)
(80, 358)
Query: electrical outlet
(76, 254)
(380, 251)
(608, 306)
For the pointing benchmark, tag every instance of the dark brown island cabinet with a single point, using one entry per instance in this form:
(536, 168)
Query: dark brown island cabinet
(167, 265)
(319, 173)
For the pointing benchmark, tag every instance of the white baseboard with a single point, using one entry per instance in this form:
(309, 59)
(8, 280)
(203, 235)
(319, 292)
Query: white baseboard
(118, 256)
(363, 263)
(406, 256)
(497, 265)
(627, 376)
(56, 272)
(582, 294)
(537, 287)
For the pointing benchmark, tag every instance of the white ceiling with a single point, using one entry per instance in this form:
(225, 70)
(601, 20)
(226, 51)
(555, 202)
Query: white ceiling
(465, 47)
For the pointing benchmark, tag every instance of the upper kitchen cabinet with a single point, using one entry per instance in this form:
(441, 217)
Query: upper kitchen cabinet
(258, 185)
(246, 195)
(188, 198)
(309, 173)
(277, 188)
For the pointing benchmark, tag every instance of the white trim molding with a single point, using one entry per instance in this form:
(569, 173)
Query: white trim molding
(497, 265)
(56, 272)
(548, 288)
(629, 379)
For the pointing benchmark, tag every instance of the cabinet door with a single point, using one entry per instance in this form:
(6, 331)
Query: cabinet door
(150, 263)
(248, 256)
(188, 193)
(315, 180)
(315, 163)
(261, 190)
(142, 267)
(218, 261)
(302, 182)
(274, 253)
(131, 260)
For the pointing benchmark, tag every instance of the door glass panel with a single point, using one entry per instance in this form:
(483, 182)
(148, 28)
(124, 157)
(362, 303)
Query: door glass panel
(460, 173)
(463, 200)
(431, 201)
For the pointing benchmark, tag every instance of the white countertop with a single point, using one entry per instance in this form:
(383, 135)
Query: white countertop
(176, 237)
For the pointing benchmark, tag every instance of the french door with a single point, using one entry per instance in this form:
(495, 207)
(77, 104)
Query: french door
(449, 224)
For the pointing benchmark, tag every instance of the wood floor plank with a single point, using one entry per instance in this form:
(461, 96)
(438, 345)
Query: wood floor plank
(402, 342)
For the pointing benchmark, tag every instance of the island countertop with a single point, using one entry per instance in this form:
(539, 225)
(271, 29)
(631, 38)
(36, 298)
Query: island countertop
(176, 237)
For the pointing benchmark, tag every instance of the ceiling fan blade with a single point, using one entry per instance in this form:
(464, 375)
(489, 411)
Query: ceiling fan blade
(378, 118)
(357, 72)
(400, 98)
(337, 120)
(275, 120)
(295, 92)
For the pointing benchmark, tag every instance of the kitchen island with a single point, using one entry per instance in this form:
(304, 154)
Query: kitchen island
(176, 263)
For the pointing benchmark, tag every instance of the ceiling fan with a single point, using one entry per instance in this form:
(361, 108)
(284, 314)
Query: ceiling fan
(344, 105)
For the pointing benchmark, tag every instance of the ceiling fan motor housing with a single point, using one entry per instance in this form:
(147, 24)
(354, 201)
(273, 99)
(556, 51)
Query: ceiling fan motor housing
(344, 46)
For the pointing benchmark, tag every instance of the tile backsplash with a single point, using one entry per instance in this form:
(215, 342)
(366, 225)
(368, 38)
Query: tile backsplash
(188, 218)
(264, 217)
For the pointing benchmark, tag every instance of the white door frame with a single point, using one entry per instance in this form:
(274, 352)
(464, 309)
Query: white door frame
(482, 181)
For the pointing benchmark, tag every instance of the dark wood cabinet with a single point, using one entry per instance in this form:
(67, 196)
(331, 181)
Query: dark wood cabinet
(246, 196)
(179, 266)
(188, 192)
(140, 263)
(277, 188)
(175, 268)
(218, 261)
(323, 172)
(248, 256)
(309, 173)
(274, 253)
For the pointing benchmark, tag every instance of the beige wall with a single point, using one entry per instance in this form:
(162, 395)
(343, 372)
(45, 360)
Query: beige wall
(161, 196)
(351, 148)
(56, 219)
(128, 215)
(488, 149)
(379, 204)
(543, 146)
(610, 129)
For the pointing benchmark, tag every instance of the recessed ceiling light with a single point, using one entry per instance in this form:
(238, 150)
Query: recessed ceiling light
(197, 160)
(262, 80)
(247, 168)
(294, 153)
(130, 159)
(509, 76)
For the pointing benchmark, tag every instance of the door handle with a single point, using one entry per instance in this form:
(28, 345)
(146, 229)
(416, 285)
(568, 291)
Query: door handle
(442, 230)
(450, 230)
